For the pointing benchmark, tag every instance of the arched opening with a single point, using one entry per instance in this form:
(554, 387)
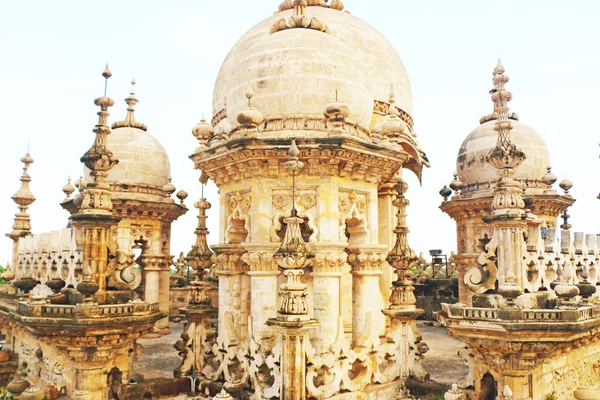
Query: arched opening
(237, 232)
(489, 387)
(114, 383)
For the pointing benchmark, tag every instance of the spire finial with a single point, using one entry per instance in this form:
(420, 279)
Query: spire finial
(106, 74)
(506, 154)
(99, 159)
(23, 198)
(130, 121)
(249, 117)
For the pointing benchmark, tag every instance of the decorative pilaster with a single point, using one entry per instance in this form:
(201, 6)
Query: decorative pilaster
(293, 321)
(234, 293)
(263, 272)
(95, 217)
(367, 266)
(327, 267)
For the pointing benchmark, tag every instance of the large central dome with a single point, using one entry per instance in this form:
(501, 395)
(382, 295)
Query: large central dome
(296, 72)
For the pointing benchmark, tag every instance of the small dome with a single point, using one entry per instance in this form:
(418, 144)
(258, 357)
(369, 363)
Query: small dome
(142, 159)
(475, 172)
(296, 72)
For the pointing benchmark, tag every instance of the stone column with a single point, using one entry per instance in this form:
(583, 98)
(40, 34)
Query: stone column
(163, 295)
(385, 224)
(152, 287)
(263, 272)
(367, 263)
(327, 271)
(232, 317)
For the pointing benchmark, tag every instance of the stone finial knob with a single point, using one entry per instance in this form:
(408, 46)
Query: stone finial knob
(456, 185)
(203, 131)
(68, 189)
(586, 394)
(182, 195)
(169, 189)
(566, 185)
(549, 179)
(445, 192)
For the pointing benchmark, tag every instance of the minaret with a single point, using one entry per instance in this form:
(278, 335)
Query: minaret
(94, 219)
(24, 198)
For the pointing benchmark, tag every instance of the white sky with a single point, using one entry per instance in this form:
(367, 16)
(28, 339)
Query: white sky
(52, 54)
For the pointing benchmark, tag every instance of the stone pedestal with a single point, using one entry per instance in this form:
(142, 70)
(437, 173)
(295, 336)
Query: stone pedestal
(402, 327)
(293, 337)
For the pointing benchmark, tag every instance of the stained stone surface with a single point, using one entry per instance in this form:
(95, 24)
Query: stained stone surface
(442, 360)
(159, 358)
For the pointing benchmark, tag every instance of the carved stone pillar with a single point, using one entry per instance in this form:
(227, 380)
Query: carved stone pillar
(386, 222)
(327, 271)
(233, 293)
(367, 265)
(163, 295)
(263, 272)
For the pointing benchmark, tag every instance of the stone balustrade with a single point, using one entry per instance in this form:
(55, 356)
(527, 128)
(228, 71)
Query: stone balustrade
(49, 255)
(34, 309)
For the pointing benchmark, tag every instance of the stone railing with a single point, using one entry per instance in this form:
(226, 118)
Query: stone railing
(39, 309)
(344, 368)
(545, 252)
(424, 270)
(49, 255)
(549, 251)
(581, 313)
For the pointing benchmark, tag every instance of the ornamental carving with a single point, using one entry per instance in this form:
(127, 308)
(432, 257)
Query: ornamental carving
(299, 19)
(238, 220)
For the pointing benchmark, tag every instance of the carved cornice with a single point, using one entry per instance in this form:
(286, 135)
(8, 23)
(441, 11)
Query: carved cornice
(460, 207)
(167, 211)
(345, 157)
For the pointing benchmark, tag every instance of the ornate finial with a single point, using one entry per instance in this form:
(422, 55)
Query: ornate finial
(106, 74)
(336, 113)
(402, 258)
(130, 121)
(566, 185)
(203, 131)
(456, 185)
(299, 19)
(68, 189)
(169, 188)
(249, 117)
(182, 195)
(565, 225)
(23, 198)
(505, 156)
(445, 192)
(99, 159)
(549, 178)
(393, 128)
(200, 257)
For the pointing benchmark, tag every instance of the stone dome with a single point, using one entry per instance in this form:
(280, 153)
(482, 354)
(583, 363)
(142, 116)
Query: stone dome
(296, 72)
(143, 161)
(475, 172)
